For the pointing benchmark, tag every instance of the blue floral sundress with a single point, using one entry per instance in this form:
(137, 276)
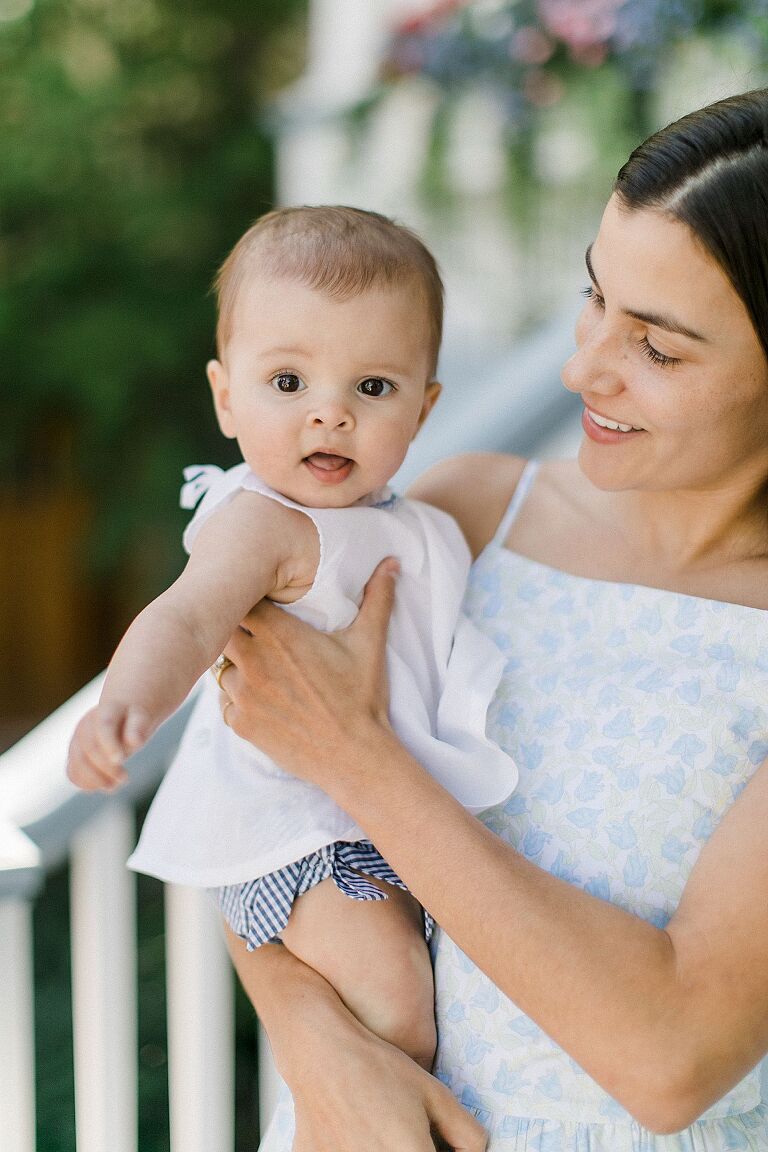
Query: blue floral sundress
(636, 716)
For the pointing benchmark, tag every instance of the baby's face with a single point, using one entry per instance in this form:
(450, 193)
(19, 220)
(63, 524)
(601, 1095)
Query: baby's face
(324, 396)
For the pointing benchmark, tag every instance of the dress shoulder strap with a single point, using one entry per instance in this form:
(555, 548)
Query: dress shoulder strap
(527, 477)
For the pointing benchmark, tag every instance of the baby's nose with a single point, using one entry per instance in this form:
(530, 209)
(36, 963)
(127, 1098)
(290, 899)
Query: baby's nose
(331, 415)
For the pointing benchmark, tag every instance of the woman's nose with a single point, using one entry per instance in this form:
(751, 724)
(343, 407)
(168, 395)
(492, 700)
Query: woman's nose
(595, 366)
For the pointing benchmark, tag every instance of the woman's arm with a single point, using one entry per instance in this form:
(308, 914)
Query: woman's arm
(251, 548)
(452, 485)
(665, 1021)
(351, 1090)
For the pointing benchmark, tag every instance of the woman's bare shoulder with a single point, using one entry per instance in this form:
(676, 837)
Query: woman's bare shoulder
(475, 488)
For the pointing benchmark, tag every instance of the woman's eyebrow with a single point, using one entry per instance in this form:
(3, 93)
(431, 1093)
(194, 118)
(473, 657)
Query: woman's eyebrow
(655, 319)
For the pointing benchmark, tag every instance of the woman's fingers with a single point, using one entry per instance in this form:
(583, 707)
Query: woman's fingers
(452, 1125)
(264, 620)
(225, 677)
(400, 1107)
(372, 621)
(267, 619)
(282, 669)
(226, 705)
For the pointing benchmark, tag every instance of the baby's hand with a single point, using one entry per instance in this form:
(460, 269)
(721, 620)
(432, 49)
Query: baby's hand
(105, 737)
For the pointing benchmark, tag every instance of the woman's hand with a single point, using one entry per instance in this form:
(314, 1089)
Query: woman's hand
(302, 695)
(370, 1095)
(351, 1090)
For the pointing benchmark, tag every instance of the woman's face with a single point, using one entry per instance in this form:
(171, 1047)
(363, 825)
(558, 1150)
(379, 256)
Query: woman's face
(665, 349)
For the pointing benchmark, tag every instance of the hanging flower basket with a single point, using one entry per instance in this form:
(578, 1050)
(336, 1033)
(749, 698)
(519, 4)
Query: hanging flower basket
(527, 49)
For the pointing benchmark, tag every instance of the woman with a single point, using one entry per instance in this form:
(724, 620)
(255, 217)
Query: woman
(602, 972)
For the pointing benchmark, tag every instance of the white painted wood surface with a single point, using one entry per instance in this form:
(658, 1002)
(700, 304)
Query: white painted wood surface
(103, 918)
(200, 1024)
(270, 1082)
(17, 1068)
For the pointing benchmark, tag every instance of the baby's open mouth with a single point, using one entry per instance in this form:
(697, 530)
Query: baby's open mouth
(328, 467)
(328, 461)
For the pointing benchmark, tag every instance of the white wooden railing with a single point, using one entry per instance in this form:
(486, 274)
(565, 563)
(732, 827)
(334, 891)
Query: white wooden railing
(97, 834)
(44, 821)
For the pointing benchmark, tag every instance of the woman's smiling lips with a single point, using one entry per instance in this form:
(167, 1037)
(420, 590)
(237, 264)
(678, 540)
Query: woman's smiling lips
(603, 430)
(329, 468)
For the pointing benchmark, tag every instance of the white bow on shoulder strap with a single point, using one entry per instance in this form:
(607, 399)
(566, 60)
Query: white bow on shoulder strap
(199, 478)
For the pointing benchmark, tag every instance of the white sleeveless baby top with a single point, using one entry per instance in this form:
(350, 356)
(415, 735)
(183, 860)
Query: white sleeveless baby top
(225, 812)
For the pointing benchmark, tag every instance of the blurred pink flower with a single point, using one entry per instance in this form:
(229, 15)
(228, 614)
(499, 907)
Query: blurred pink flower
(581, 24)
(422, 22)
(529, 45)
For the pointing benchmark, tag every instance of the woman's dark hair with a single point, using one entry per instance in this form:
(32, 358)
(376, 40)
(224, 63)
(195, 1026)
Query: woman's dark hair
(710, 171)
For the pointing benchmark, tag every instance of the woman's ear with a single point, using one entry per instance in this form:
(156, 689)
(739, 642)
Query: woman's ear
(431, 393)
(219, 382)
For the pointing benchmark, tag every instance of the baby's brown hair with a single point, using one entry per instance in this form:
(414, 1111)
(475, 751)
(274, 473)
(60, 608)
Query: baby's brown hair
(339, 250)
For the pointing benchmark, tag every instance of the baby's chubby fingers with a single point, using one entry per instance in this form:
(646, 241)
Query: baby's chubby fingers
(136, 729)
(106, 727)
(96, 753)
(86, 775)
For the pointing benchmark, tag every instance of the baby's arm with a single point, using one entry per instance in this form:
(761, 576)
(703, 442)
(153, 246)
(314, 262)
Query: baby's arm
(251, 548)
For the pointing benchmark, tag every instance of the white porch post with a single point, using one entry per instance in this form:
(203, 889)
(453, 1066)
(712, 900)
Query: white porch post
(344, 44)
(103, 917)
(270, 1081)
(200, 1024)
(17, 1074)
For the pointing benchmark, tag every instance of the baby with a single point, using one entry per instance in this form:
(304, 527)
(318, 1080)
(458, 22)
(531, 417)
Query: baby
(329, 330)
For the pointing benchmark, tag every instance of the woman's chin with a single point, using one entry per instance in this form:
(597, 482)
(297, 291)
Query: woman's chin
(604, 471)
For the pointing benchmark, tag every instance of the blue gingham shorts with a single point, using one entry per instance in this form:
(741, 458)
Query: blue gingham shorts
(257, 910)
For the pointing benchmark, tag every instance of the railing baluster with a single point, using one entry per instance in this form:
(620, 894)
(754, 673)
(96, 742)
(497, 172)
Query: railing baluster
(200, 1024)
(270, 1081)
(103, 916)
(17, 1078)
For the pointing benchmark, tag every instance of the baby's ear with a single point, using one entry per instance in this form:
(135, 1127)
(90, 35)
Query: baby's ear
(431, 393)
(219, 382)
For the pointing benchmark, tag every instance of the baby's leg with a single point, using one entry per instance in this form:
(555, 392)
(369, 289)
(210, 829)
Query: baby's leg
(375, 956)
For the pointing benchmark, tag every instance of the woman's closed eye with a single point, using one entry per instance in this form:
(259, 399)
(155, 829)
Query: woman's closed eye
(592, 294)
(655, 356)
(644, 343)
(375, 387)
(287, 382)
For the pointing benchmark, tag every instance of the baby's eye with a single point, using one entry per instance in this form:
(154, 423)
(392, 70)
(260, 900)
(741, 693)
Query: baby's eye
(287, 382)
(375, 386)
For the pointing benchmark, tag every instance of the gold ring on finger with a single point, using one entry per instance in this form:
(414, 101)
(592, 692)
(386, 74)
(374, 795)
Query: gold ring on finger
(228, 704)
(220, 666)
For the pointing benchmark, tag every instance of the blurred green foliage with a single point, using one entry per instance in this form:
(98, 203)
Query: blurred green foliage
(134, 152)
